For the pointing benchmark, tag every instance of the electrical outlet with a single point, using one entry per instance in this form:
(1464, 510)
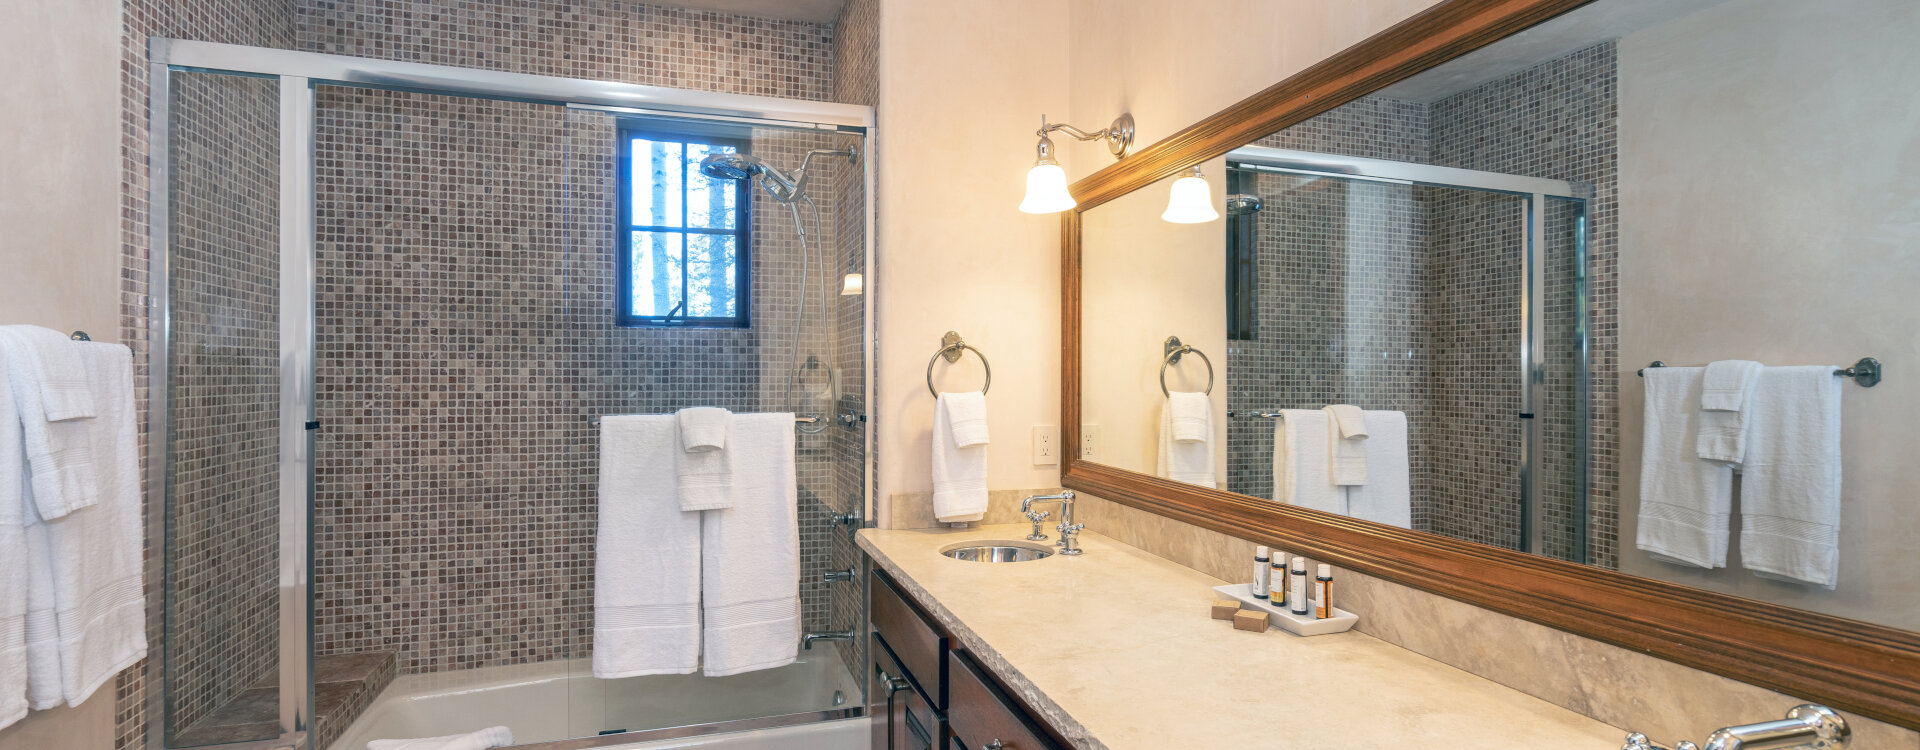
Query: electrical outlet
(1089, 442)
(1046, 445)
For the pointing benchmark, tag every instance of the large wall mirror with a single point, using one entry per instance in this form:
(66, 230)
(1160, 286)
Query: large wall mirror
(1485, 248)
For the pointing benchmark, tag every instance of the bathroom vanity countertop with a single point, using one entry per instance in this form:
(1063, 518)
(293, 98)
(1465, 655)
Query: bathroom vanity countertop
(1115, 649)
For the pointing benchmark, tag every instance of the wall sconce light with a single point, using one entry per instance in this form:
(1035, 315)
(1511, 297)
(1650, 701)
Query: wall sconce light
(1190, 201)
(1047, 182)
(852, 284)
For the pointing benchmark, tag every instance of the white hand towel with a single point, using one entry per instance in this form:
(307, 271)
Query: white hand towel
(1790, 480)
(1346, 444)
(58, 451)
(86, 618)
(959, 472)
(481, 740)
(1387, 497)
(1181, 460)
(13, 559)
(966, 417)
(1724, 401)
(1192, 416)
(59, 373)
(750, 554)
(1300, 462)
(1684, 501)
(700, 467)
(646, 584)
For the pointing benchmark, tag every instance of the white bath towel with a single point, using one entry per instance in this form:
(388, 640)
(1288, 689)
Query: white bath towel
(1790, 480)
(750, 554)
(1346, 444)
(700, 466)
(13, 558)
(1300, 462)
(58, 450)
(646, 586)
(1684, 501)
(86, 618)
(59, 373)
(1192, 416)
(966, 417)
(1181, 460)
(1724, 402)
(1387, 497)
(481, 740)
(959, 471)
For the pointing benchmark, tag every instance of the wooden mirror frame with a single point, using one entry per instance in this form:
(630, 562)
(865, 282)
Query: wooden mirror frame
(1872, 670)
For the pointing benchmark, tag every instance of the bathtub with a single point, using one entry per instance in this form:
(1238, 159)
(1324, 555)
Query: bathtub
(561, 700)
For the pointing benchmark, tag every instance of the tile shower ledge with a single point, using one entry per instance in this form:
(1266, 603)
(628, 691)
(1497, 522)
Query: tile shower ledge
(1115, 649)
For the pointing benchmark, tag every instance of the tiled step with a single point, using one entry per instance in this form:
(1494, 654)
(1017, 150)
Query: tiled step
(344, 685)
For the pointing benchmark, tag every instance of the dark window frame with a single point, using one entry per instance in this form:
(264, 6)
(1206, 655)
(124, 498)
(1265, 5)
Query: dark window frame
(624, 229)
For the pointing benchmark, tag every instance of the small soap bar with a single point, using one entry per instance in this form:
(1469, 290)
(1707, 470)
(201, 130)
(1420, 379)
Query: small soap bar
(1250, 619)
(1223, 609)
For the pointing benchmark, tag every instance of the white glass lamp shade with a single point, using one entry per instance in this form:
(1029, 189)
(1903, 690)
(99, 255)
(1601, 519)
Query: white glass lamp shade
(1046, 190)
(852, 284)
(1190, 201)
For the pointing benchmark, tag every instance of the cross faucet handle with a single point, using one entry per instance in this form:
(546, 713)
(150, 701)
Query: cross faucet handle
(1036, 516)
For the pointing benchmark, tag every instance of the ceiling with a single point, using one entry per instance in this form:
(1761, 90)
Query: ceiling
(1579, 29)
(811, 11)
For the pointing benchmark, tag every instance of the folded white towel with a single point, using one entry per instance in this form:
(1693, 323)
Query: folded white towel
(481, 740)
(646, 586)
(1300, 462)
(1183, 460)
(1346, 444)
(1192, 416)
(700, 467)
(58, 450)
(86, 618)
(1724, 402)
(1387, 497)
(966, 417)
(13, 558)
(1790, 480)
(59, 373)
(959, 471)
(1684, 501)
(750, 554)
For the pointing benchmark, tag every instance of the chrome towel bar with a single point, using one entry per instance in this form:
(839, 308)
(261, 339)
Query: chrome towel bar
(1866, 372)
(595, 419)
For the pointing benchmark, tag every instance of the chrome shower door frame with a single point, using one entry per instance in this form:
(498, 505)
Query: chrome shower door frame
(1531, 318)
(298, 73)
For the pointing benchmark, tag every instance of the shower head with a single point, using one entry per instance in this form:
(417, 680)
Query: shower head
(737, 166)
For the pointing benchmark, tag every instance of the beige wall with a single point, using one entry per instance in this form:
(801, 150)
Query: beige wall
(60, 204)
(962, 88)
(1782, 224)
(1144, 279)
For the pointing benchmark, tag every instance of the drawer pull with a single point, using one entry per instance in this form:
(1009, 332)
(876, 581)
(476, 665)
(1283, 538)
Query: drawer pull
(994, 745)
(891, 683)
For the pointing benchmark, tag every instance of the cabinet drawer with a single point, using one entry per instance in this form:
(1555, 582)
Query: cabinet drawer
(920, 647)
(980, 713)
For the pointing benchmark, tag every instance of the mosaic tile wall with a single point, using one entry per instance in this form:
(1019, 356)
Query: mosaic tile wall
(1328, 299)
(466, 298)
(257, 22)
(856, 80)
(225, 420)
(1558, 120)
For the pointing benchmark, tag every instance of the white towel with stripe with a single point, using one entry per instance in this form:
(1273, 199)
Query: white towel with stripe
(646, 584)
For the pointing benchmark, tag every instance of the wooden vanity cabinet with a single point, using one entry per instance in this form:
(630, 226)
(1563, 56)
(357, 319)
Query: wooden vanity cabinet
(924, 694)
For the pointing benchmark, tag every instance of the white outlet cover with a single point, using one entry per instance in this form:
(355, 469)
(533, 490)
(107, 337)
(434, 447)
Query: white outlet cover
(1046, 445)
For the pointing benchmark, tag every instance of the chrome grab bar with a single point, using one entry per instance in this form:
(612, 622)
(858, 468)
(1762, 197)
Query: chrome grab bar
(1806, 726)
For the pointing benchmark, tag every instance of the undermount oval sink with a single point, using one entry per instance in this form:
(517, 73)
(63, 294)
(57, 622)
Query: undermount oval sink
(996, 552)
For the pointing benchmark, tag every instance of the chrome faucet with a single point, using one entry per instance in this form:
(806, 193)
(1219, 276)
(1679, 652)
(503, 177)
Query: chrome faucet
(1806, 726)
(806, 641)
(1068, 529)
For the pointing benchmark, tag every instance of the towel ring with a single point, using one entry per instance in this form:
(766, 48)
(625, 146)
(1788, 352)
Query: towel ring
(1174, 350)
(952, 347)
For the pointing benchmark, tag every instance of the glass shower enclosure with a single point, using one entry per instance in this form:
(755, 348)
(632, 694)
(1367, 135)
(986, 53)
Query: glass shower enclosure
(388, 312)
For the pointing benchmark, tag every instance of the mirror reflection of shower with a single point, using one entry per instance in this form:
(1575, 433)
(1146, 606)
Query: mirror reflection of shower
(790, 189)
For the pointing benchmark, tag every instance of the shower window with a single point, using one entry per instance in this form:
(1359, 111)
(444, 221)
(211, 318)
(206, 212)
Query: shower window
(687, 234)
